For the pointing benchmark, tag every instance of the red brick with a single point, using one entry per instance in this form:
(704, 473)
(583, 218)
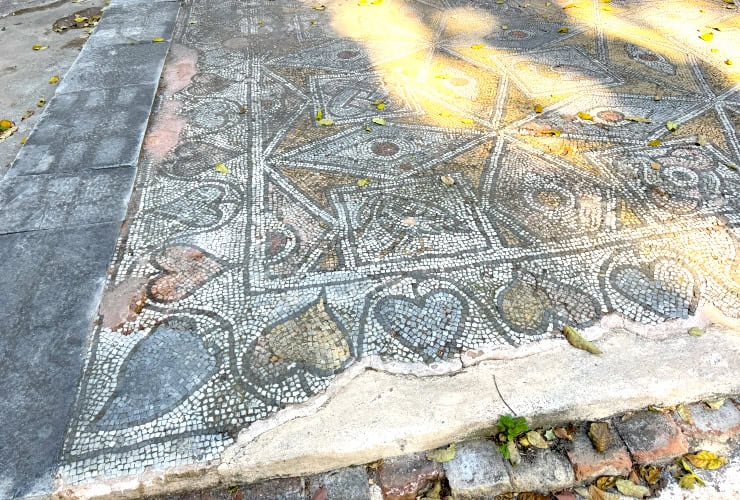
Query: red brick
(403, 478)
(652, 437)
(590, 464)
(711, 425)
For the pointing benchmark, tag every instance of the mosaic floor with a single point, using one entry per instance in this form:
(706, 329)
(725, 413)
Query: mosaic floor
(408, 179)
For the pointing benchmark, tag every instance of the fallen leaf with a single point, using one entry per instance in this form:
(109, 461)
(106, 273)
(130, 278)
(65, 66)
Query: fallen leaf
(477, 46)
(535, 439)
(504, 26)
(550, 435)
(637, 119)
(243, 110)
(538, 108)
(688, 481)
(655, 142)
(447, 180)
(40, 47)
(24, 139)
(324, 122)
(695, 331)
(54, 79)
(627, 487)
(728, 62)
(319, 7)
(569, 6)
(714, 50)
(600, 436)
(6, 124)
(584, 116)
(40, 103)
(524, 441)
(650, 473)
(368, 129)
(606, 482)
(158, 39)
(467, 121)
(685, 413)
(376, 2)
(363, 182)
(655, 165)
(274, 358)
(232, 490)
(514, 457)
(564, 432)
(563, 30)
(379, 121)
(319, 115)
(380, 105)
(80, 19)
(707, 37)
(714, 404)
(661, 409)
(576, 340)
(595, 493)
(701, 140)
(222, 168)
(442, 455)
(551, 131)
(28, 114)
(672, 126)
(532, 495)
(706, 460)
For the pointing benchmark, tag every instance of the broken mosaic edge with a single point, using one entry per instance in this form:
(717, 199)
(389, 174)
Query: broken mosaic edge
(297, 424)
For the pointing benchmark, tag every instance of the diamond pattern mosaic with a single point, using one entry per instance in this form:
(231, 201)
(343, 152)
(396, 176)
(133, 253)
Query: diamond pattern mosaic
(489, 172)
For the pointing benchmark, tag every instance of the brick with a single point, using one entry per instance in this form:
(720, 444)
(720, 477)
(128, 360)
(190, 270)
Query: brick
(350, 483)
(590, 464)
(541, 470)
(711, 425)
(652, 437)
(403, 478)
(477, 471)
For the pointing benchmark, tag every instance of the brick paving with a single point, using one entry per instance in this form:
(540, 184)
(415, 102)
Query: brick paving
(564, 470)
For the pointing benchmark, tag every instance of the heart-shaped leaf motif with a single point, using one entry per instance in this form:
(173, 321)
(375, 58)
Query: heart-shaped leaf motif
(668, 299)
(184, 269)
(162, 370)
(427, 325)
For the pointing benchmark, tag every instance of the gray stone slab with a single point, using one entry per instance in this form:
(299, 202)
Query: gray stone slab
(477, 471)
(153, 20)
(50, 283)
(32, 202)
(113, 66)
(541, 470)
(81, 130)
(350, 483)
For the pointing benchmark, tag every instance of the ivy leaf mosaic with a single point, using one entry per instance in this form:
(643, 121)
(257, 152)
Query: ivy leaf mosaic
(401, 182)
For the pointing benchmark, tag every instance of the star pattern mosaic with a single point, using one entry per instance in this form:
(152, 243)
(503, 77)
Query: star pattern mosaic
(565, 198)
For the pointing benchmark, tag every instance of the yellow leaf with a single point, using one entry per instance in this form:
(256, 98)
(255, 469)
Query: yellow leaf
(24, 139)
(379, 121)
(576, 340)
(6, 124)
(221, 168)
(157, 40)
(319, 7)
(442, 455)
(655, 142)
(40, 47)
(325, 122)
(363, 182)
(728, 62)
(54, 79)
(706, 460)
(368, 129)
(714, 404)
(477, 46)
(606, 1)
(584, 116)
(569, 6)
(538, 108)
(40, 103)
(714, 50)
(80, 19)
(466, 121)
(707, 37)
(376, 2)
(562, 30)
(505, 27)
(319, 115)
(447, 180)
(552, 131)
(672, 126)
(442, 76)
(380, 105)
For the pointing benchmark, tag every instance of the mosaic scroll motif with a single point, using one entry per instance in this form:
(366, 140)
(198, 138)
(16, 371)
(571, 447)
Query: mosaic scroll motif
(249, 291)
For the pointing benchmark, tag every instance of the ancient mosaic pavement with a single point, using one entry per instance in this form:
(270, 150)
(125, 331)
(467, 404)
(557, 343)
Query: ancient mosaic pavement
(322, 244)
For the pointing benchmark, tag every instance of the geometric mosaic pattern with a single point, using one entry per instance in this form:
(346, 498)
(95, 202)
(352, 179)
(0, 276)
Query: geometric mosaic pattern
(258, 286)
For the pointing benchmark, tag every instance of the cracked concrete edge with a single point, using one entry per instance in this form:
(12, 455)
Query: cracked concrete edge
(378, 410)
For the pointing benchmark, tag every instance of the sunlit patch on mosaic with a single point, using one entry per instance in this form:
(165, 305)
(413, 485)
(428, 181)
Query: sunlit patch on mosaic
(406, 182)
